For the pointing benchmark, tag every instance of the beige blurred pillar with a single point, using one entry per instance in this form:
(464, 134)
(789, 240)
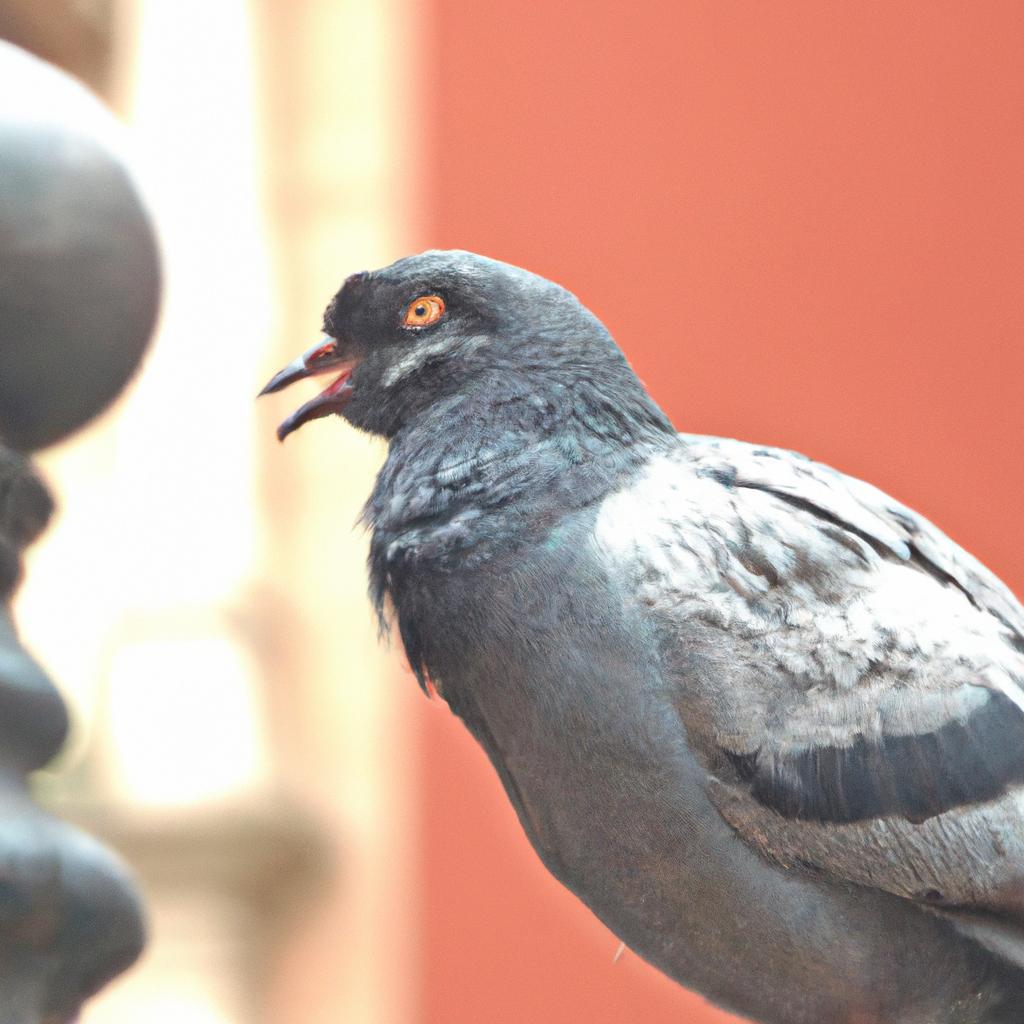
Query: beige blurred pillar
(340, 134)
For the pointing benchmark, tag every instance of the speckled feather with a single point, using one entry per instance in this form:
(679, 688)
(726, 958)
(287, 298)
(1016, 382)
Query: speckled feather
(850, 677)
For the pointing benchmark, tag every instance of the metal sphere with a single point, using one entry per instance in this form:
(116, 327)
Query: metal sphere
(79, 273)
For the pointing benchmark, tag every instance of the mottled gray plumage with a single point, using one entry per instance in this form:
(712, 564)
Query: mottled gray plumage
(764, 720)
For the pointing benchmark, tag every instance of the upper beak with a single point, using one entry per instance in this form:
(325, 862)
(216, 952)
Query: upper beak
(295, 370)
(321, 358)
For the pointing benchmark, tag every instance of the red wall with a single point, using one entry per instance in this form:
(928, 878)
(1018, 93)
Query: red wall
(804, 224)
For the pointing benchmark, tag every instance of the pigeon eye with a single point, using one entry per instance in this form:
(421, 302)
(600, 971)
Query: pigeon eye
(424, 311)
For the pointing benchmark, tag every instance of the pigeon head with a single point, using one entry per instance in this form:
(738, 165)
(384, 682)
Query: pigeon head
(401, 339)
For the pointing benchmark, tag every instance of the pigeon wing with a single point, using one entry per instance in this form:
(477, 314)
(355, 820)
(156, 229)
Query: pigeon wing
(850, 677)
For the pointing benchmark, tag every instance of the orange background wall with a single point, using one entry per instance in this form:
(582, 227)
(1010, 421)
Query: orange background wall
(804, 223)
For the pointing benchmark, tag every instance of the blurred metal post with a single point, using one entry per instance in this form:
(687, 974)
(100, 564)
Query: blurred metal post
(79, 284)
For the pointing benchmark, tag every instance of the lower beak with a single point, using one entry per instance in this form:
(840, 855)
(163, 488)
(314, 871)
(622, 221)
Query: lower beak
(322, 358)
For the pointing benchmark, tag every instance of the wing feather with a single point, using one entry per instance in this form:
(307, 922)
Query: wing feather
(851, 677)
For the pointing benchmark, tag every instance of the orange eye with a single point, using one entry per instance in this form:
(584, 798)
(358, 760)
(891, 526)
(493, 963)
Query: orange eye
(424, 311)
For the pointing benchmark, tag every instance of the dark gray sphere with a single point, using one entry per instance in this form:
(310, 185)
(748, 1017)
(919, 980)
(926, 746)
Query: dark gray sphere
(79, 272)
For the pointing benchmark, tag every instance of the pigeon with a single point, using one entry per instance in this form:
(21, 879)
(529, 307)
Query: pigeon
(764, 720)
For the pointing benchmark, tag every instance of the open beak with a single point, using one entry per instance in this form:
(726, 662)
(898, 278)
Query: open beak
(320, 359)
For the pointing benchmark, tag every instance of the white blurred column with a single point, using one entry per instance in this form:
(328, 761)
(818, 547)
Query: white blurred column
(143, 593)
(143, 580)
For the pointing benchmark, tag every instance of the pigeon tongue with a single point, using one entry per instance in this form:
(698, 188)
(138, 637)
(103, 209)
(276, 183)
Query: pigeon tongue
(337, 384)
(332, 399)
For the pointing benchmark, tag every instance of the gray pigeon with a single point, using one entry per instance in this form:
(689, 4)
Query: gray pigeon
(765, 721)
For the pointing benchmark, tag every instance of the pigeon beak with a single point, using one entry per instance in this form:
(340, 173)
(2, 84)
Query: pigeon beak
(320, 359)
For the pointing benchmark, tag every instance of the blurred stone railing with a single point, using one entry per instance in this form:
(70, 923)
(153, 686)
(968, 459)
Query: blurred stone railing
(79, 285)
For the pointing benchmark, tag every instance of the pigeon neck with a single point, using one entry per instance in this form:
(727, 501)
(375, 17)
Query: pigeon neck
(501, 465)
